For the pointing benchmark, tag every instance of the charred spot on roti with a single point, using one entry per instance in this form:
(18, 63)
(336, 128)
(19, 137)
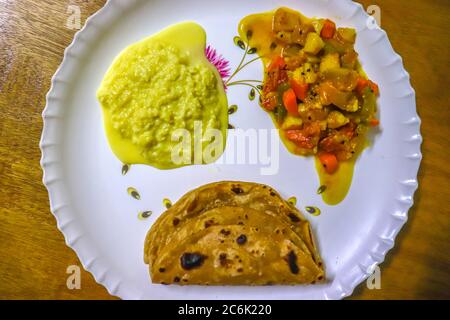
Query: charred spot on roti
(237, 190)
(191, 261)
(294, 217)
(162, 270)
(241, 240)
(209, 223)
(176, 221)
(226, 231)
(292, 262)
(224, 261)
(176, 279)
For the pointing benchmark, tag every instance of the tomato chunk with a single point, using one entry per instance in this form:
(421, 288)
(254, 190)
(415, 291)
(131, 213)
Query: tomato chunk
(307, 138)
(300, 89)
(290, 102)
(277, 63)
(270, 101)
(362, 84)
(374, 88)
(328, 30)
(329, 162)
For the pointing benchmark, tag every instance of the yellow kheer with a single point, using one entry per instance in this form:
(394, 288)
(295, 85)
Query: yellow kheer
(157, 86)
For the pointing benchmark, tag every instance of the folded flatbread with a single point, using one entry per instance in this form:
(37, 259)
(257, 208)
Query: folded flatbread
(232, 233)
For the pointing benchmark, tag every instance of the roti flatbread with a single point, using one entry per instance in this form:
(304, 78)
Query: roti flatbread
(232, 233)
(235, 255)
(239, 194)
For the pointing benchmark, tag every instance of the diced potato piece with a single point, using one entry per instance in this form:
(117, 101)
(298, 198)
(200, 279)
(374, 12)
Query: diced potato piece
(285, 20)
(298, 76)
(302, 108)
(309, 73)
(311, 103)
(330, 61)
(336, 120)
(305, 73)
(347, 34)
(314, 43)
(353, 105)
(292, 123)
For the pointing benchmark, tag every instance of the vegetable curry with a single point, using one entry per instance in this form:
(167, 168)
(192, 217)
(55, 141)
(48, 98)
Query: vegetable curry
(315, 90)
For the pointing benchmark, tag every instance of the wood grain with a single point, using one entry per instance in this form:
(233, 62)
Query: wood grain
(33, 255)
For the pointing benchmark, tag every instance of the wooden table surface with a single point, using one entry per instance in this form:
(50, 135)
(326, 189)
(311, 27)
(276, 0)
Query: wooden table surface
(33, 255)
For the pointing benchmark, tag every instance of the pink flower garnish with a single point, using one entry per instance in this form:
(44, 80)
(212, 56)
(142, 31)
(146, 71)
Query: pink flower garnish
(221, 64)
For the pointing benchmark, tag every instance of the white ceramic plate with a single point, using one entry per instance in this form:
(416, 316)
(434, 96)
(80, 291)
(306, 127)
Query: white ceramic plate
(88, 192)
